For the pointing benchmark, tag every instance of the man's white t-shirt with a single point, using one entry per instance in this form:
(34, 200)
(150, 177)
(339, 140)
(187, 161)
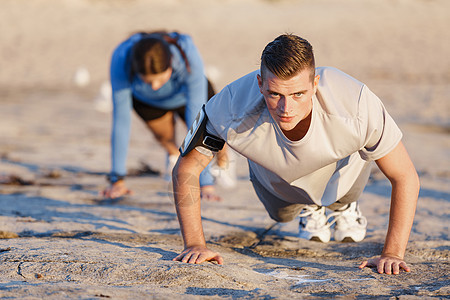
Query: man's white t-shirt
(349, 127)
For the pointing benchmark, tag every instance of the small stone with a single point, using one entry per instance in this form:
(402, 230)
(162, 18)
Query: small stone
(8, 235)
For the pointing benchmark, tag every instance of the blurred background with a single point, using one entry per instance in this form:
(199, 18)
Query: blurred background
(399, 48)
(44, 42)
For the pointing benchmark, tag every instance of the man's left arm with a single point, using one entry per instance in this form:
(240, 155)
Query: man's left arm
(399, 169)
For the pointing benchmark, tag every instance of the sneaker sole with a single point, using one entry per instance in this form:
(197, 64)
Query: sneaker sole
(348, 240)
(316, 239)
(355, 238)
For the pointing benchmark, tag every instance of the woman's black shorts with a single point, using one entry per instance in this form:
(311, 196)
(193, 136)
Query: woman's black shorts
(149, 113)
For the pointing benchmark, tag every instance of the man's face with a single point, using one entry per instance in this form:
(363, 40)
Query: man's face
(289, 101)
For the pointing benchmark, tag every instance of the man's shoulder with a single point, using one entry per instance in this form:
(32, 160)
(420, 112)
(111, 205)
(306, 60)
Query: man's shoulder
(338, 92)
(238, 99)
(334, 82)
(245, 82)
(331, 75)
(245, 96)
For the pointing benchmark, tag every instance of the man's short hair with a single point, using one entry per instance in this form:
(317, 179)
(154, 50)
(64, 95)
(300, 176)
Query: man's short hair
(288, 55)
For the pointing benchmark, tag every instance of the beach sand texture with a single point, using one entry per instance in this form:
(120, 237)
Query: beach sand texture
(59, 240)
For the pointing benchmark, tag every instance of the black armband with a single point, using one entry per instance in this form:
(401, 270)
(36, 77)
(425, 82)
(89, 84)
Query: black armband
(198, 136)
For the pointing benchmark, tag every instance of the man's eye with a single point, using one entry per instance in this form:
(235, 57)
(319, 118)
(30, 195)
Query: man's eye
(298, 95)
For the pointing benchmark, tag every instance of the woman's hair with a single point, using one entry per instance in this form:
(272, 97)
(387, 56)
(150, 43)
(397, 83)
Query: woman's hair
(287, 55)
(151, 54)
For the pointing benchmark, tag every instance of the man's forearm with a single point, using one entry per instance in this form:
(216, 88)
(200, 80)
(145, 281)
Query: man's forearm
(403, 207)
(187, 202)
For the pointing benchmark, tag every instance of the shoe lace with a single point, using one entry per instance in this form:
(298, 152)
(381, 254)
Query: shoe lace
(315, 220)
(348, 217)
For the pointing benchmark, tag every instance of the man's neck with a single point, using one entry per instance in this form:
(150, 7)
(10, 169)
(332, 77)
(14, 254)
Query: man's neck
(300, 130)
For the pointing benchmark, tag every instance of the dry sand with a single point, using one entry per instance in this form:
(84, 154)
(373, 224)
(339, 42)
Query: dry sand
(61, 241)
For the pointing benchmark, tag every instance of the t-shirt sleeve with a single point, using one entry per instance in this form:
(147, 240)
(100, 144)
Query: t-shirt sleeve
(378, 131)
(219, 113)
(219, 117)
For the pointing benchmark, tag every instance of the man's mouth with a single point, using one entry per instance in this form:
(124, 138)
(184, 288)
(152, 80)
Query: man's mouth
(285, 118)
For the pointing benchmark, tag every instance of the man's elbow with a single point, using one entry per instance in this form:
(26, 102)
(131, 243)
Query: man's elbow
(416, 181)
(175, 170)
(412, 182)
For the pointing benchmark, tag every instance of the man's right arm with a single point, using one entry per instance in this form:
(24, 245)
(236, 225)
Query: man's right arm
(186, 189)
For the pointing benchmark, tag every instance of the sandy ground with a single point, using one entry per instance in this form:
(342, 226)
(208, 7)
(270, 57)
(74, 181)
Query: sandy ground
(60, 240)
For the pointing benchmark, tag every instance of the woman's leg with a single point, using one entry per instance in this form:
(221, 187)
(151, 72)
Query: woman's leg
(163, 128)
(161, 123)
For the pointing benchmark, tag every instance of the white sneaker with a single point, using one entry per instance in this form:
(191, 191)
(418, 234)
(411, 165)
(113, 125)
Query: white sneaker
(350, 224)
(171, 161)
(225, 177)
(313, 224)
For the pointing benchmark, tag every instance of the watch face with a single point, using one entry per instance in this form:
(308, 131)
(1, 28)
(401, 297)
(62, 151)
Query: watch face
(193, 133)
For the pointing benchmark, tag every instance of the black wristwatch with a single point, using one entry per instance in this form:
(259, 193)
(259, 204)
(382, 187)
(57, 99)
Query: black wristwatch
(113, 178)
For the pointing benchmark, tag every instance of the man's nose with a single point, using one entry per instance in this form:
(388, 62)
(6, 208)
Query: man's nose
(284, 105)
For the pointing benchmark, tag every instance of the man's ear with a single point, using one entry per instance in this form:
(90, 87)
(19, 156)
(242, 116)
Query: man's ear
(260, 83)
(316, 82)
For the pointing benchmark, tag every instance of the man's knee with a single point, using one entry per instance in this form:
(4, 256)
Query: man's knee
(285, 214)
(282, 219)
(278, 209)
